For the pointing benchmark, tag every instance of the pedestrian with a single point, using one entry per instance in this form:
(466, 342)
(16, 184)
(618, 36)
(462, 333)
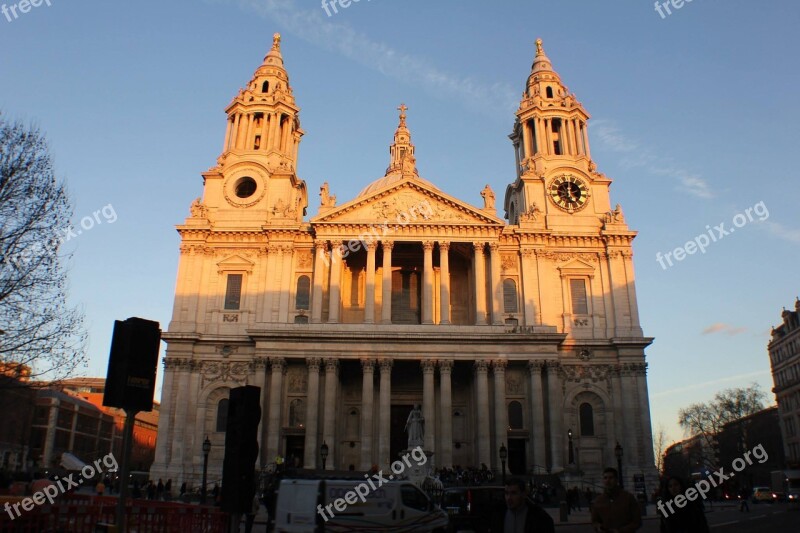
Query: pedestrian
(744, 496)
(522, 515)
(689, 518)
(168, 490)
(183, 490)
(159, 489)
(615, 510)
(100, 488)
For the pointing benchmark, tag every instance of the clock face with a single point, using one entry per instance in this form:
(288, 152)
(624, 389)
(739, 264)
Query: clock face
(569, 192)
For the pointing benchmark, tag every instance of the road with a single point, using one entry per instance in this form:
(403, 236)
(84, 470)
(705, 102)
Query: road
(762, 518)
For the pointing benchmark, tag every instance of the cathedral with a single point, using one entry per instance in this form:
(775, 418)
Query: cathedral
(518, 334)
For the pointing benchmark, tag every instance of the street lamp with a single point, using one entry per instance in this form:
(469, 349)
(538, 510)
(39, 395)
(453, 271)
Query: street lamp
(618, 454)
(206, 449)
(323, 452)
(503, 457)
(571, 450)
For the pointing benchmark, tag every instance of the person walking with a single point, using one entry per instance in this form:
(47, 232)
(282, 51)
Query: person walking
(687, 519)
(615, 510)
(744, 495)
(522, 515)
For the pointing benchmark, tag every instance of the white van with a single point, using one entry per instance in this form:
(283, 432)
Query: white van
(308, 506)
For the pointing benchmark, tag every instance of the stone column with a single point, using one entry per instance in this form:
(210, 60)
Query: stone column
(286, 283)
(264, 132)
(369, 297)
(648, 457)
(248, 140)
(427, 283)
(274, 119)
(329, 423)
(480, 283)
(227, 135)
(428, 401)
(556, 401)
(235, 133)
(336, 277)
(537, 416)
(526, 140)
(181, 410)
(320, 251)
(278, 365)
(500, 408)
(163, 438)
(312, 413)
(386, 310)
(530, 287)
(260, 367)
(444, 283)
(482, 416)
(630, 401)
(619, 416)
(497, 286)
(586, 140)
(446, 409)
(385, 413)
(367, 393)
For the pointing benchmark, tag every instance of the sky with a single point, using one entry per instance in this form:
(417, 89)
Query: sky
(694, 117)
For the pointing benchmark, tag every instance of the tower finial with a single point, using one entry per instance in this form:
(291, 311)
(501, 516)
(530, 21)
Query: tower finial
(276, 42)
(403, 108)
(539, 48)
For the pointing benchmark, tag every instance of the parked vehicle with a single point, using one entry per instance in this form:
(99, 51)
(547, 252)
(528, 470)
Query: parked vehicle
(786, 485)
(474, 509)
(309, 506)
(762, 494)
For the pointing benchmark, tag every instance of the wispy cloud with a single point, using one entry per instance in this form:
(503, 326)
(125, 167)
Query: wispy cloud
(719, 327)
(315, 27)
(712, 383)
(637, 156)
(781, 231)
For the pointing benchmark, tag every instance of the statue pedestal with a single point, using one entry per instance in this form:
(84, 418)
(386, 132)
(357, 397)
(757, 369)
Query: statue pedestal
(416, 473)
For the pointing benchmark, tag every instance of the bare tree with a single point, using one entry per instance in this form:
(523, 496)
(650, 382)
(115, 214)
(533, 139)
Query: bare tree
(40, 332)
(707, 420)
(660, 447)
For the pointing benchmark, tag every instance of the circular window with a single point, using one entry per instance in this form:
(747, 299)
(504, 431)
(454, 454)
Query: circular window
(245, 187)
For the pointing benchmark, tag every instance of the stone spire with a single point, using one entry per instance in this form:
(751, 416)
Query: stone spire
(401, 150)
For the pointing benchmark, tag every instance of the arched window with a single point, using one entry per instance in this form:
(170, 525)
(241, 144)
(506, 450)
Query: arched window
(587, 420)
(549, 92)
(510, 296)
(515, 415)
(265, 87)
(222, 415)
(303, 292)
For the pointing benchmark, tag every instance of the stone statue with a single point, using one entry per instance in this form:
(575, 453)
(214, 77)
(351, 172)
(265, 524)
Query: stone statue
(415, 427)
(488, 197)
(197, 209)
(326, 200)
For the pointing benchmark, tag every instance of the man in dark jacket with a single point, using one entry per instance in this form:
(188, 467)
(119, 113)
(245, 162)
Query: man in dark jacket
(522, 515)
(615, 510)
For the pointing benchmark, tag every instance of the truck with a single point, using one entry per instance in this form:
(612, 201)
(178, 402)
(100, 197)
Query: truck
(786, 485)
(345, 505)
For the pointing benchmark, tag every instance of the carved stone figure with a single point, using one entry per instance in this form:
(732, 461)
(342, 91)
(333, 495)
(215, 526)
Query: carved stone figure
(415, 427)
(197, 209)
(488, 197)
(326, 200)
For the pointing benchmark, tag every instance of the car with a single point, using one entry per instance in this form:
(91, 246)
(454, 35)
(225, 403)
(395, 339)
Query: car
(474, 509)
(762, 494)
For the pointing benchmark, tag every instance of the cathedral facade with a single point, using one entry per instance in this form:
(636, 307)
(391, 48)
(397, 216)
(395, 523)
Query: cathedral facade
(520, 333)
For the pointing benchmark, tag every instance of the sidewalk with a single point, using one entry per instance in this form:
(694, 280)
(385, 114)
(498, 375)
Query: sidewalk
(583, 516)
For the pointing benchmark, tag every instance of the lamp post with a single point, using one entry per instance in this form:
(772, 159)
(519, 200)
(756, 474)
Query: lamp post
(503, 457)
(323, 452)
(571, 450)
(618, 454)
(206, 449)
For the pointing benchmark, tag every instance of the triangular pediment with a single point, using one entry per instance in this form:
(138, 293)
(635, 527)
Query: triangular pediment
(235, 263)
(576, 267)
(407, 202)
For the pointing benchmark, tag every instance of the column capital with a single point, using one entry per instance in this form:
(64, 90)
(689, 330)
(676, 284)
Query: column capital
(260, 363)
(336, 243)
(385, 365)
(479, 247)
(499, 365)
(445, 365)
(552, 364)
(536, 366)
(481, 366)
(314, 364)
(494, 247)
(278, 364)
(368, 365)
(331, 364)
(427, 246)
(428, 366)
(444, 246)
(321, 244)
(387, 245)
(371, 245)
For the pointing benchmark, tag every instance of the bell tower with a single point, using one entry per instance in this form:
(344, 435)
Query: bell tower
(255, 180)
(556, 179)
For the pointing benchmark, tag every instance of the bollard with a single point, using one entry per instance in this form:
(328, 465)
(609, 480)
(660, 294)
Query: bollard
(564, 511)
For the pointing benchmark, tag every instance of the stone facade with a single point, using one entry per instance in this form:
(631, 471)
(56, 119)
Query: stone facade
(784, 356)
(508, 332)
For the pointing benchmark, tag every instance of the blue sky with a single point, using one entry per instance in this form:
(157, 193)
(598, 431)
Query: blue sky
(694, 117)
